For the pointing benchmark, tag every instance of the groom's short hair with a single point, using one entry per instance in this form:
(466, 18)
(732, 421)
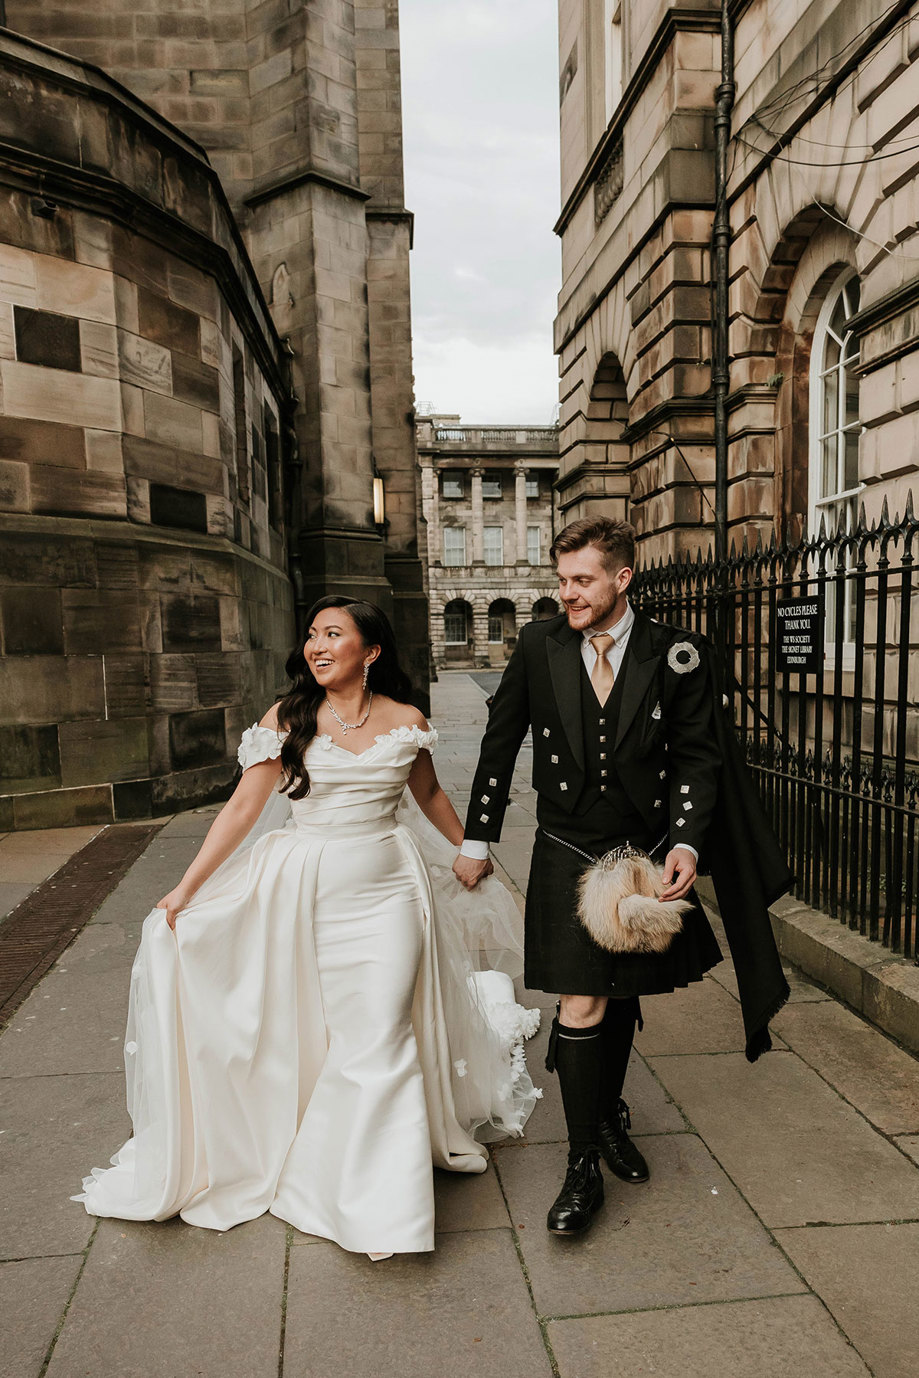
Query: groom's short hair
(614, 540)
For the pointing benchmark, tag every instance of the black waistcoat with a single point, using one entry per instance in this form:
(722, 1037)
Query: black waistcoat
(604, 812)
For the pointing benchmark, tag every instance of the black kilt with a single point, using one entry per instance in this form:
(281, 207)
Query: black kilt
(561, 957)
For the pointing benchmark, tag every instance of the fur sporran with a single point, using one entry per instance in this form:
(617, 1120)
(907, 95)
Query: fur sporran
(620, 904)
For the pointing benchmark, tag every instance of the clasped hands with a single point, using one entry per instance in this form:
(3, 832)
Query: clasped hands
(678, 877)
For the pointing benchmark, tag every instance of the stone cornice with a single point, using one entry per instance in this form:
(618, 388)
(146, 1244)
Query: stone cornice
(398, 214)
(675, 406)
(302, 178)
(675, 20)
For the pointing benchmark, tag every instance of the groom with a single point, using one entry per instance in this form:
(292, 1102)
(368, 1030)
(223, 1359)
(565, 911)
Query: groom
(624, 749)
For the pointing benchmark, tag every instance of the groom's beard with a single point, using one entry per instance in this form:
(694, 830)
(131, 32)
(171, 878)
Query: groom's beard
(600, 613)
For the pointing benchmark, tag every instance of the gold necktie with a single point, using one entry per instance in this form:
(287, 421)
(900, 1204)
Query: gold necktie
(602, 674)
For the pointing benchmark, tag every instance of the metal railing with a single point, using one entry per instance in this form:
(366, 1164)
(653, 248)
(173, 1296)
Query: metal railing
(818, 639)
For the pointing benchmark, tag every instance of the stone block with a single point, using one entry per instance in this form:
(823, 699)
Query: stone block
(756, 1339)
(99, 348)
(195, 382)
(75, 289)
(32, 622)
(89, 493)
(132, 799)
(75, 399)
(222, 1293)
(44, 689)
(30, 759)
(177, 507)
(197, 739)
(173, 683)
(172, 422)
(126, 691)
(63, 808)
(45, 338)
(218, 678)
(15, 495)
(17, 276)
(162, 320)
(144, 363)
(100, 620)
(191, 623)
(99, 752)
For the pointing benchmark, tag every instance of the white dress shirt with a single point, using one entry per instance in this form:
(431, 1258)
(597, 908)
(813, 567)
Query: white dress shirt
(615, 655)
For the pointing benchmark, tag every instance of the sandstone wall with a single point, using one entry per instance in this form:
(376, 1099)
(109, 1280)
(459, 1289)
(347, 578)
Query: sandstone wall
(145, 607)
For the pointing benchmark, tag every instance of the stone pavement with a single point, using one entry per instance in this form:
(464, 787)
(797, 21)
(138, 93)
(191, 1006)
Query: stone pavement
(780, 1231)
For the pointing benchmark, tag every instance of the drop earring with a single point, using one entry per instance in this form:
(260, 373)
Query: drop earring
(366, 673)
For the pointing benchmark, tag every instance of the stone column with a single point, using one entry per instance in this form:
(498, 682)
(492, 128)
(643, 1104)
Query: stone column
(478, 518)
(430, 508)
(520, 511)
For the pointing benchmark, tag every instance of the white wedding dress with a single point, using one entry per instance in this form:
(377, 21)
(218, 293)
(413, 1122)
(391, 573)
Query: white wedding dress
(313, 1037)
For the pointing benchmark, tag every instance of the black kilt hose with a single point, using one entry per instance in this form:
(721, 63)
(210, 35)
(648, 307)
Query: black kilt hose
(560, 955)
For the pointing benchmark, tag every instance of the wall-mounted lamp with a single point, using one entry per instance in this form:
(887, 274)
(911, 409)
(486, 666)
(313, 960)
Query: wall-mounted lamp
(379, 502)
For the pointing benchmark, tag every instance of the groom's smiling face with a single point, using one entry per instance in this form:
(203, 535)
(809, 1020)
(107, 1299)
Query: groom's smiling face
(592, 595)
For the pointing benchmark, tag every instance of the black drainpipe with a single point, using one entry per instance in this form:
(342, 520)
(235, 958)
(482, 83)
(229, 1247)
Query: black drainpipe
(721, 239)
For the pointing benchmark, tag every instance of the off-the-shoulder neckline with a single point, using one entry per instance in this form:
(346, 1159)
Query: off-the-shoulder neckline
(412, 732)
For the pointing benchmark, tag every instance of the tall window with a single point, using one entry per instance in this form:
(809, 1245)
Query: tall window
(454, 545)
(451, 483)
(532, 485)
(491, 485)
(612, 15)
(456, 623)
(532, 545)
(835, 428)
(493, 545)
(239, 417)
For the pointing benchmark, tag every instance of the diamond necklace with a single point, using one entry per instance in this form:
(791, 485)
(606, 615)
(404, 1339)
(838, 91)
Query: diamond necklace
(347, 727)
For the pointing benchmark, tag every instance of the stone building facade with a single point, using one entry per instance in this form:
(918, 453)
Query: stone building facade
(824, 296)
(488, 505)
(205, 353)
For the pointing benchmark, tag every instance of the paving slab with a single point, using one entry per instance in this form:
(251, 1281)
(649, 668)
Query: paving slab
(743, 1339)
(55, 1130)
(795, 1149)
(876, 1076)
(652, 1109)
(701, 1018)
(687, 1237)
(463, 1309)
(801, 990)
(909, 1143)
(10, 896)
(171, 1301)
(74, 1019)
(468, 1201)
(867, 1276)
(159, 868)
(34, 1291)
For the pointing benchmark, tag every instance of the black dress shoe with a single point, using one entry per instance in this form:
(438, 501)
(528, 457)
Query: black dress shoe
(617, 1148)
(581, 1196)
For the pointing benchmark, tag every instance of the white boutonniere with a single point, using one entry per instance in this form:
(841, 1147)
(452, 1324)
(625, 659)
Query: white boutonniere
(656, 711)
(683, 657)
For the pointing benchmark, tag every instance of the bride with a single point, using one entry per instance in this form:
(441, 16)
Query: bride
(306, 1033)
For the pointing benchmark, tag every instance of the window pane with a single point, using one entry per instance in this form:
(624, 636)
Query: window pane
(491, 485)
(533, 545)
(452, 483)
(532, 486)
(455, 628)
(850, 441)
(454, 545)
(830, 420)
(495, 628)
(494, 545)
(831, 350)
(829, 466)
(851, 401)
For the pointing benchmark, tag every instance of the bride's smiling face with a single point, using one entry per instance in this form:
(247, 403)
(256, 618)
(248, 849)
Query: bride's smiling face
(335, 650)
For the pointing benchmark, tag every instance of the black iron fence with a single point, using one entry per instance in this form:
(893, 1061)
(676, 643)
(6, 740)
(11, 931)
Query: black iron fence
(820, 641)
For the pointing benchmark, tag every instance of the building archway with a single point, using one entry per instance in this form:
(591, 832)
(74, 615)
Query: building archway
(544, 608)
(502, 630)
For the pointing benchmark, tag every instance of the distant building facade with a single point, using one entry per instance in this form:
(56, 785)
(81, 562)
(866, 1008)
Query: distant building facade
(205, 357)
(488, 506)
(824, 298)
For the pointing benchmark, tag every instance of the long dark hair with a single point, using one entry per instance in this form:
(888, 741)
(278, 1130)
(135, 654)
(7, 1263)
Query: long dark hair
(298, 709)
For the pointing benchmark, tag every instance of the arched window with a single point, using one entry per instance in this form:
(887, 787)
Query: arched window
(834, 421)
(502, 623)
(457, 621)
(544, 608)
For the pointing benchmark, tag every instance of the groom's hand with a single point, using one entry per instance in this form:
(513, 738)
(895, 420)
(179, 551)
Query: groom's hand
(679, 874)
(469, 871)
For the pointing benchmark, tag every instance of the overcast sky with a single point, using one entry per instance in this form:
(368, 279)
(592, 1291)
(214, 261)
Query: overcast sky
(480, 113)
